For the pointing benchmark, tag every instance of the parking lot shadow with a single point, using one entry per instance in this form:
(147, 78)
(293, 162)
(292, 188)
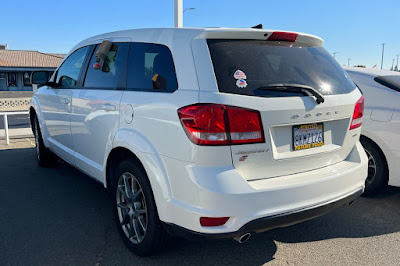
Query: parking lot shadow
(367, 217)
(59, 215)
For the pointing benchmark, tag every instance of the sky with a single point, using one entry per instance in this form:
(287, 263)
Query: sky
(353, 28)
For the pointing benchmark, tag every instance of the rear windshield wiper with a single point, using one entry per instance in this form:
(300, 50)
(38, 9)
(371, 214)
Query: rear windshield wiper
(308, 90)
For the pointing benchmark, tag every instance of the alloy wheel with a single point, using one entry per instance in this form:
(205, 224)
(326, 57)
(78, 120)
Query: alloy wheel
(371, 168)
(131, 207)
(37, 141)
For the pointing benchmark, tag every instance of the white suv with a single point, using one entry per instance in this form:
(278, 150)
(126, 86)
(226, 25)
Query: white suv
(205, 133)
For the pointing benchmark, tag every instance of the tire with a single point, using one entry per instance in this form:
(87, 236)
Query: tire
(135, 210)
(378, 172)
(44, 156)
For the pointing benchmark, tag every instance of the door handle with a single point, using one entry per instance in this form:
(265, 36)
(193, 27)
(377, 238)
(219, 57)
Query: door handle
(65, 100)
(108, 107)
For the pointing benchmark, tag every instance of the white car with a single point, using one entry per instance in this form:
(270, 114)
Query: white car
(205, 133)
(380, 134)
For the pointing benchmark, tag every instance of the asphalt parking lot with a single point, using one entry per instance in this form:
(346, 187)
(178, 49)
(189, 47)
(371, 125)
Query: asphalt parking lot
(60, 216)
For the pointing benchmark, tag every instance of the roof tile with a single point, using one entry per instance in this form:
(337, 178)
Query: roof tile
(15, 58)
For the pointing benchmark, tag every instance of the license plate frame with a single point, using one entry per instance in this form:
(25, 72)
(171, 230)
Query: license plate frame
(314, 128)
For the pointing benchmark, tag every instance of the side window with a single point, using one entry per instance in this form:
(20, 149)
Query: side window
(147, 60)
(112, 73)
(27, 78)
(68, 73)
(392, 82)
(12, 80)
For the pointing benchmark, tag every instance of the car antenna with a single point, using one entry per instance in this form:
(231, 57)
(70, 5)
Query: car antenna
(259, 26)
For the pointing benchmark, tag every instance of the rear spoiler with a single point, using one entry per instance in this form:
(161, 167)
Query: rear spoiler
(257, 33)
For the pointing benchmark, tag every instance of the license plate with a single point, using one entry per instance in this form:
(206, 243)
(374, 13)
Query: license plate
(308, 136)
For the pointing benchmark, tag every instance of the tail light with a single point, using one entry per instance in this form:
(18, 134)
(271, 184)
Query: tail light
(358, 114)
(279, 36)
(217, 124)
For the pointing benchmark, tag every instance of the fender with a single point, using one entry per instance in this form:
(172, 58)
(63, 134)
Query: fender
(152, 162)
(392, 162)
(34, 103)
(378, 141)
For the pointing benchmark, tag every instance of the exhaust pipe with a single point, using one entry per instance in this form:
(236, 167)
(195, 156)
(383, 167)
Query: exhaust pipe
(243, 238)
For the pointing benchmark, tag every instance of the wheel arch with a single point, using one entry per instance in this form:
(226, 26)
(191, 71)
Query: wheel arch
(116, 155)
(153, 168)
(368, 139)
(371, 141)
(35, 111)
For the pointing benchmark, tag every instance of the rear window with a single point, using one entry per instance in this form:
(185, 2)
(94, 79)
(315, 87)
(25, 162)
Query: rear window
(245, 66)
(392, 82)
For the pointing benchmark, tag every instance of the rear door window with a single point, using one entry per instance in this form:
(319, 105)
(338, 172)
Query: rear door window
(245, 66)
(147, 60)
(111, 75)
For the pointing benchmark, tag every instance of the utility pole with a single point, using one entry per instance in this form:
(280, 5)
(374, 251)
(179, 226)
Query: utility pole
(334, 54)
(348, 62)
(178, 13)
(383, 51)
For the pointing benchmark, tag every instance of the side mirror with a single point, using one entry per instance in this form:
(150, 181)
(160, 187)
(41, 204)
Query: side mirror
(40, 77)
(159, 82)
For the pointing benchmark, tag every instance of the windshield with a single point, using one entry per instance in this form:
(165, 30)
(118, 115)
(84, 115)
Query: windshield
(245, 66)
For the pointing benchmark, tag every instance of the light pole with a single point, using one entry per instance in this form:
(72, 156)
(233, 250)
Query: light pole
(178, 18)
(392, 64)
(178, 13)
(397, 65)
(186, 9)
(348, 62)
(190, 8)
(383, 51)
(334, 54)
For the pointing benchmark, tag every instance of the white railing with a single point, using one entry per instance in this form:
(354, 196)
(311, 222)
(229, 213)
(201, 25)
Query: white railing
(5, 115)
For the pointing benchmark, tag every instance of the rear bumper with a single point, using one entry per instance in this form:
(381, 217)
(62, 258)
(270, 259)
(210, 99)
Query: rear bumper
(222, 192)
(270, 222)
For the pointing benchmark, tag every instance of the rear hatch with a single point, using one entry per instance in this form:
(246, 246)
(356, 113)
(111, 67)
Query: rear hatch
(285, 80)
